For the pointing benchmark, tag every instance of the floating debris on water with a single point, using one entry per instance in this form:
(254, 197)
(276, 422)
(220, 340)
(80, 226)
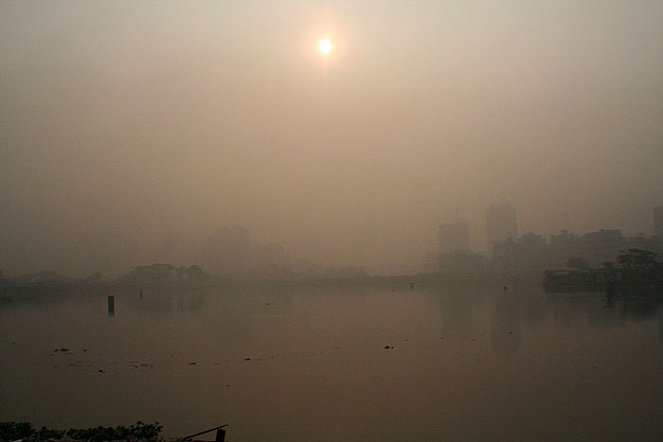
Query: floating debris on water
(138, 364)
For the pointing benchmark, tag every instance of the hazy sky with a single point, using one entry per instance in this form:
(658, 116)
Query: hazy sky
(127, 124)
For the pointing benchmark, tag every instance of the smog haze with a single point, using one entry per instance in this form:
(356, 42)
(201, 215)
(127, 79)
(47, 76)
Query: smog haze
(131, 131)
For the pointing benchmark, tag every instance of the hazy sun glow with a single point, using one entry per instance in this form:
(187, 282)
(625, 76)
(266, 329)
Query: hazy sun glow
(325, 46)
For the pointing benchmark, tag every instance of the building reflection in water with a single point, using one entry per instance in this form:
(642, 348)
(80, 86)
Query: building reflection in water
(455, 314)
(505, 330)
(466, 314)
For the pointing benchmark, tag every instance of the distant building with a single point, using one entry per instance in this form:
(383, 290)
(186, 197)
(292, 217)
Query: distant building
(564, 246)
(640, 241)
(461, 263)
(602, 246)
(454, 237)
(431, 262)
(531, 254)
(525, 256)
(658, 223)
(500, 224)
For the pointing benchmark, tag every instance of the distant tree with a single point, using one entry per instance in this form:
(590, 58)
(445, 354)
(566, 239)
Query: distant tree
(196, 273)
(641, 264)
(348, 272)
(155, 275)
(166, 275)
(577, 263)
(638, 260)
(180, 272)
(43, 278)
(94, 278)
(192, 274)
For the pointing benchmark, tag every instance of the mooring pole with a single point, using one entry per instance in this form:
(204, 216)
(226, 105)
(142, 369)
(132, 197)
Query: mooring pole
(111, 305)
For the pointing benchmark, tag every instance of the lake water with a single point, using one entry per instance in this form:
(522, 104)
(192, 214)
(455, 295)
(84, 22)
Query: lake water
(313, 364)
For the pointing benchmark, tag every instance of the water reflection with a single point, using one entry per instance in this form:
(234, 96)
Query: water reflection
(336, 363)
(456, 313)
(163, 301)
(572, 310)
(505, 324)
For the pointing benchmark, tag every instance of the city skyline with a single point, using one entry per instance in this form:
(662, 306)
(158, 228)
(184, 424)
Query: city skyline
(120, 135)
(326, 220)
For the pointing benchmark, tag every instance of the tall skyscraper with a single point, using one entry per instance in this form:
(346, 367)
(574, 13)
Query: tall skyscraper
(500, 224)
(658, 222)
(454, 237)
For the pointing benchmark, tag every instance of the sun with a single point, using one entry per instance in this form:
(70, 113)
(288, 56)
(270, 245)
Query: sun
(325, 46)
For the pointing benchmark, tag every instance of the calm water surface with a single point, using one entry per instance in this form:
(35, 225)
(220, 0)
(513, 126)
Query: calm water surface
(312, 364)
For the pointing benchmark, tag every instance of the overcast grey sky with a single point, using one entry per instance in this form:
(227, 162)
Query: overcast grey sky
(124, 124)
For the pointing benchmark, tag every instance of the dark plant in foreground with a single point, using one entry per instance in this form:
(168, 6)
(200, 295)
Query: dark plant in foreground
(10, 431)
(15, 430)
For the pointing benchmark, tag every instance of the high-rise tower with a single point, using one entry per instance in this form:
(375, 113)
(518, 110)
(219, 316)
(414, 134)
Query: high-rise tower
(454, 237)
(500, 224)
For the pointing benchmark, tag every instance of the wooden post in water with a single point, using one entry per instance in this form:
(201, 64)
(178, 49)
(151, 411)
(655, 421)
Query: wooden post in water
(111, 305)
